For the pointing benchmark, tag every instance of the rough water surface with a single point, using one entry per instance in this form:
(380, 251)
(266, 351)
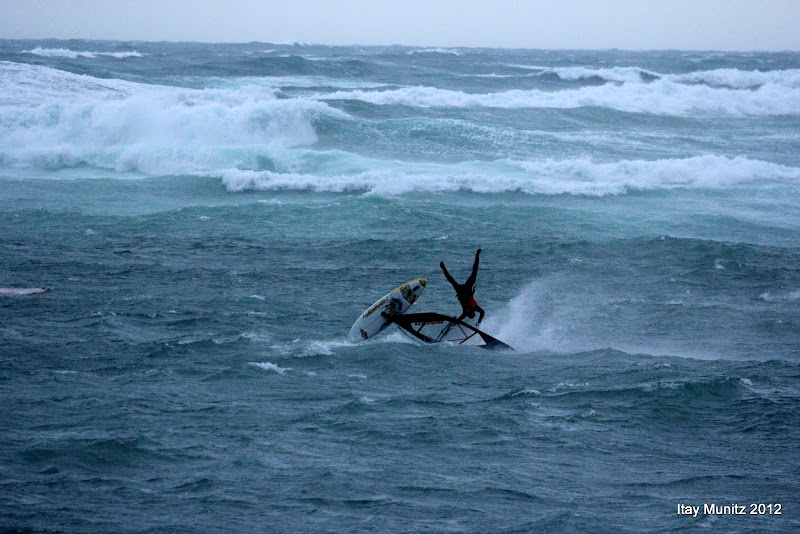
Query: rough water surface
(209, 220)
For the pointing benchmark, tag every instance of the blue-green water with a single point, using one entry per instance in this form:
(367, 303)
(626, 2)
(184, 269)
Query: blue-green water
(209, 220)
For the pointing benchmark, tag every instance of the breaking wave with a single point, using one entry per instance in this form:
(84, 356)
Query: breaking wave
(612, 74)
(661, 97)
(722, 78)
(253, 137)
(450, 51)
(53, 119)
(741, 79)
(64, 52)
(548, 177)
(269, 366)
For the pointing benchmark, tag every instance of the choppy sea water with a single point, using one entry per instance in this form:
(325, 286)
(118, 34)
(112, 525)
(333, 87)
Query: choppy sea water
(209, 220)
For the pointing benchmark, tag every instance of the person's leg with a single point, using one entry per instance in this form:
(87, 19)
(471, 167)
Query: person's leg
(447, 275)
(472, 277)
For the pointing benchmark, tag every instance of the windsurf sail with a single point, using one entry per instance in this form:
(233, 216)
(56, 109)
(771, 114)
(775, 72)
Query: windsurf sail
(437, 328)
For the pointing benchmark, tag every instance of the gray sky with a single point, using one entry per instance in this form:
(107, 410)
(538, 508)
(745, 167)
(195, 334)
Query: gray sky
(627, 24)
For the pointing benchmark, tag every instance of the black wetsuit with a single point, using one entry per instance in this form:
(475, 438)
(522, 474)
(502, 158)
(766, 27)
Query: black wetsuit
(466, 292)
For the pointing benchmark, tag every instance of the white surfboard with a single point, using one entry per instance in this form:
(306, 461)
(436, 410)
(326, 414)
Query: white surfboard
(398, 300)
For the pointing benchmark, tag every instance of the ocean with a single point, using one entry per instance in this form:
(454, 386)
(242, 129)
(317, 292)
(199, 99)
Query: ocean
(210, 219)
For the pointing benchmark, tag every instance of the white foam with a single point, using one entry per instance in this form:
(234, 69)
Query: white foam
(32, 86)
(268, 366)
(568, 385)
(52, 119)
(529, 67)
(614, 74)
(301, 349)
(324, 348)
(730, 78)
(450, 51)
(597, 179)
(529, 322)
(306, 81)
(661, 97)
(64, 52)
(256, 337)
(785, 296)
(741, 79)
(546, 177)
(491, 75)
(394, 336)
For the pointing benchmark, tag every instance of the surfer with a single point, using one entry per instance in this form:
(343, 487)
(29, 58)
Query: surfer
(466, 292)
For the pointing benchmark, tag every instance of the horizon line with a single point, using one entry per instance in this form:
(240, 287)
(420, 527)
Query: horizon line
(292, 42)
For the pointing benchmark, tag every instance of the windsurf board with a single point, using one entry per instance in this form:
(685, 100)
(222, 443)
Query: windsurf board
(378, 316)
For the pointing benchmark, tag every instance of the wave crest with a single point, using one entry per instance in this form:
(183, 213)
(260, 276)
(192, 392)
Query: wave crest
(721, 78)
(661, 97)
(65, 52)
(548, 177)
(52, 119)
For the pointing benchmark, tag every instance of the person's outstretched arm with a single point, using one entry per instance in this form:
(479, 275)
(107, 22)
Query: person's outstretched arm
(474, 276)
(481, 312)
(447, 275)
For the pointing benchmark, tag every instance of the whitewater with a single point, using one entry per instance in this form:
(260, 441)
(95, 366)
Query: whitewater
(210, 219)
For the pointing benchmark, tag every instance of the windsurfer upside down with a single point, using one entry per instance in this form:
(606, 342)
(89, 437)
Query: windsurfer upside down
(466, 292)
